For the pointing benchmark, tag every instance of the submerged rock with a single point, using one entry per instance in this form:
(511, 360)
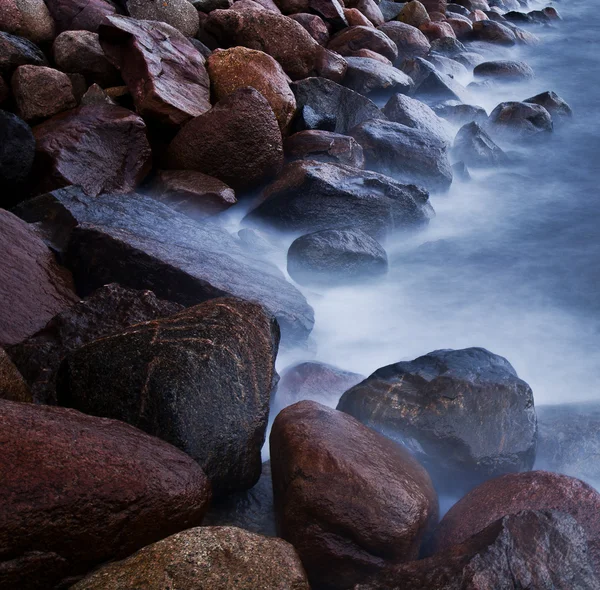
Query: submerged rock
(503, 70)
(459, 113)
(476, 148)
(369, 76)
(554, 104)
(520, 120)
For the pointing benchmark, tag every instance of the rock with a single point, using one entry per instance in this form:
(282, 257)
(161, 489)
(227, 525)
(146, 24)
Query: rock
(238, 141)
(476, 148)
(41, 92)
(116, 485)
(430, 84)
(180, 14)
(314, 25)
(143, 244)
(405, 153)
(281, 37)
(80, 15)
(409, 40)
(514, 16)
(368, 76)
(27, 18)
(459, 113)
(492, 32)
(464, 414)
(324, 146)
(353, 38)
(435, 6)
(462, 27)
(348, 499)
(356, 18)
(530, 549)
(447, 47)
(99, 147)
(235, 68)
(4, 91)
(520, 120)
(200, 379)
(323, 104)
(12, 384)
(437, 30)
(448, 66)
(108, 310)
(559, 109)
(16, 51)
(370, 9)
(460, 171)
(331, 11)
(79, 52)
(335, 256)
(504, 70)
(390, 10)
(413, 14)
(17, 151)
(224, 558)
(33, 288)
(164, 72)
(454, 8)
(312, 196)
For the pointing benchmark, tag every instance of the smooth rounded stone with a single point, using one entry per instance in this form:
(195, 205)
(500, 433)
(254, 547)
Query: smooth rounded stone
(314, 25)
(219, 558)
(324, 146)
(368, 76)
(238, 141)
(520, 120)
(464, 414)
(108, 310)
(80, 15)
(515, 16)
(235, 68)
(12, 385)
(432, 85)
(459, 113)
(116, 485)
(41, 92)
(17, 151)
(33, 287)
(504, 70)
(348, 499)
(462, 27)
(414, 14)
(177, 13)
(164, 72)
(79, 52)
(405, 153)
(16, 51)
(492, 32)
(264, 4)
(558, 108)
(370, 9)
(539, 17)
(448, 47)
(448, 66)
(312, 196)
(281, 37)
(354, 38)
(530, 549)
(101, 148)
(331, 11)
(454, 8)
(469, 59)
(200, 379)
(390, 10)
(409, 40)
(437, 30)
(356, 18)
(335, 256)
(522, 36)
(27, 18)
(476, 148)
(323, 104)
(435, 6)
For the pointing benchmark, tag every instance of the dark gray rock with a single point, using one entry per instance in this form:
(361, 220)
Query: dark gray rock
(16, 51)
(432, 85)
(410, 41)
(448, 47)
(324, 146)
(390, 10)
(504, 70)
(459, 113)
(476, 148)
(371, 77)
(520, 120)
(448, 65)
(554, 104)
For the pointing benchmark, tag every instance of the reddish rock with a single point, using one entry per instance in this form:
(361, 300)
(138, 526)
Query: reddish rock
(356, 18)
(33, 288)
(478, 15)
(16, 51)
(437, 30)
(370, 9)
(27, 18)
(461, 27)
(314, 25)
(99, 147)
(348, 499)
(354, 38)
(492, 32)
(324, 146)
(371, 77)
(80, 15)
(12, 384)
(413, 13)
(409, 40)
(179, 14)
(79, 490)
(435, 5)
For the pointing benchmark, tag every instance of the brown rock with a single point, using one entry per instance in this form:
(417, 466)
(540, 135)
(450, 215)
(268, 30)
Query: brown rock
(33, 288)
(41, 92)
(163, 70)
(348, 499)
(356, 18)
(179, 14)
(437, 30)
(324, 146)
(215, 558)
(238, 141)
(80, 15)
(99, 147)
(315, 26)
(68, 479)
(354, 38)
(27, 18)
(409, 40)
(414, 14)
(17, 51)
(370, 9)
(12, 384)
(435, 5)
(235, 68)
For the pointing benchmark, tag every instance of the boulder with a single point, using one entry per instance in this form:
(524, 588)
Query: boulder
(348, 499)
(520, 120)
(223, 558)
(99, 147)
(464, 414)
(413, 14)
(462, 27)
(12, 384)
(16, 51)
(324, 146)
(116, 485)
(370, 9)
(459, 113)
(180, 14)
(108, 310)
(17, 152)
(435, 5)
(331, 11)
(432, 85)
(437, 30)
(503, 70)
(238, 141)
(409, 40)
(476, 148)
(312, 196)
(235, 68)
(449, 66)
(27, 18)
(493, 32)
(356, 18)
(164, 72)
(368, 76)
(314, 25)
(354, 38)
(558, 108)
(80, 15)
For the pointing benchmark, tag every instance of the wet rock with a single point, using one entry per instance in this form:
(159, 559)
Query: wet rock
(108, 310)
(323, 104)
(554, 104)
(448, 66)
(310, 196)
(180, 14)
(459, 113)
(368, 76)
(529, 549)
(520, 120)
(335, 256)
(409, 40)
(342, 495)
(462, 27)
(414, 14)
(353, 38)
(356, 18)
(235, 68)
(116, 485)
(80, 15)
(370, 9)
(27, 18)
(437, 30)
(314, 25)
(143, 244)
(17, 51)
(504, 70)
(476, 148)
(430, 84)
(515, 16)
(238, 141)
(331, 11)
(492, 32)
(405, 153)
(226, 558)
(464, 414)
(447, 47)
(164, 72)
(12, 384)
(324, 146)
(99, 147)
(17, 151)
(33, 288)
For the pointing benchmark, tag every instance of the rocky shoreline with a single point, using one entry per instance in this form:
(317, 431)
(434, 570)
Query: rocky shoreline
(139, 334)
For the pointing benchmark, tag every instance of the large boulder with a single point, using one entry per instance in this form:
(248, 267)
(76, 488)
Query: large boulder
(503, 70)
(164, 72)
(369, 76)
(68, 478)
(348, 499)
(80, 15)
(474, 147)
(179, 14)
(108, 310)
(238, 141)
(143, 244)
(27, 18)
(324, 146)
(464, 414)
(219, 558)
(351, 39)
(98, 147)
(12, 385)
(312, 196)
(16, 51)
(520, 120)
(409, 40)
(558, 108)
